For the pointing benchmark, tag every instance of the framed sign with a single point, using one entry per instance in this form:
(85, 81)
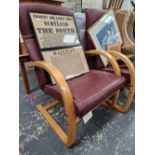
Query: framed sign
(105, 31)
(54, 31)
(70, 61)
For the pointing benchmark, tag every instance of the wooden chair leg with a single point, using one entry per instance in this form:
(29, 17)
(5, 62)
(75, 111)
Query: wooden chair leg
(110, 4)
(24, 75)
(66, 138)
(120, 4)
(116, 97)
(128, 63)
(126, 105)
(115, 4)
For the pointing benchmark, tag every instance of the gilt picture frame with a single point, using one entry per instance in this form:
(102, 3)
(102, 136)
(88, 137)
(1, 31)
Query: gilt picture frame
(105, 31)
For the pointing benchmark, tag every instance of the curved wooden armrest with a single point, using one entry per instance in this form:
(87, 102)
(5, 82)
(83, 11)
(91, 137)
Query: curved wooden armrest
(127, 62)
(108, 56)
(65, 93)
(112, 57)
(114, 65)
(56, 74)
(130, 66)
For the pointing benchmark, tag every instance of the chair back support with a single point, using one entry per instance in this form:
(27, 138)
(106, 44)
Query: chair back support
(29, 36)
(115, 4)
(92, 15)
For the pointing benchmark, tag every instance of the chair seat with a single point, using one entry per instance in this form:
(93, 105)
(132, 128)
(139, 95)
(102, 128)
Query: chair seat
(89, 90)
(99, 66)
(124, 72)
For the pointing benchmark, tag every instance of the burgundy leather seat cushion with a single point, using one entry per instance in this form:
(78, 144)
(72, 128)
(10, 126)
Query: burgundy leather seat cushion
(89, 90)
(124, 72)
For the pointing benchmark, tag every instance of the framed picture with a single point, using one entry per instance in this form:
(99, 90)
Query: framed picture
(70, 61)
(104, 32)
(54, 31)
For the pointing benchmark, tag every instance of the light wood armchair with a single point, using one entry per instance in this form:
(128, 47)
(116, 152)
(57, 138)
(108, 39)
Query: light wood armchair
(79, 95)
(119, 56)
(72, 119)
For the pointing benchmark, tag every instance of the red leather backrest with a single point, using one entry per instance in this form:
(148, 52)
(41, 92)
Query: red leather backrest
(29, 36)
(92, 15)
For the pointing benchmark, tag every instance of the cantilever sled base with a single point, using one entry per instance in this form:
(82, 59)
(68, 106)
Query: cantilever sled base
(69, 138)
(52, 122)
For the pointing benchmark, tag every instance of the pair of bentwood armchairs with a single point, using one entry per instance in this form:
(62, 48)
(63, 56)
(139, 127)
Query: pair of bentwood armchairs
(81, 94)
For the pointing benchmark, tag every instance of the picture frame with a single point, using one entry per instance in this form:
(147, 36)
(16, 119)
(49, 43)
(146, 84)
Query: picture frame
(104, 32)
(54, 31)
(71, 61)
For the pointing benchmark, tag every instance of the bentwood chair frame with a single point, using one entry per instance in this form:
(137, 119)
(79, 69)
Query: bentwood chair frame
(69, 138)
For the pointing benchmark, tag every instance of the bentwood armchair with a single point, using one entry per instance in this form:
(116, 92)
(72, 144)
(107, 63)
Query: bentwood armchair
(78, 95)
(92, 15)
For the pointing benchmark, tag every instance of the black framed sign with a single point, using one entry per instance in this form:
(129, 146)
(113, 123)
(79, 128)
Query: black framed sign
(53, 31)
